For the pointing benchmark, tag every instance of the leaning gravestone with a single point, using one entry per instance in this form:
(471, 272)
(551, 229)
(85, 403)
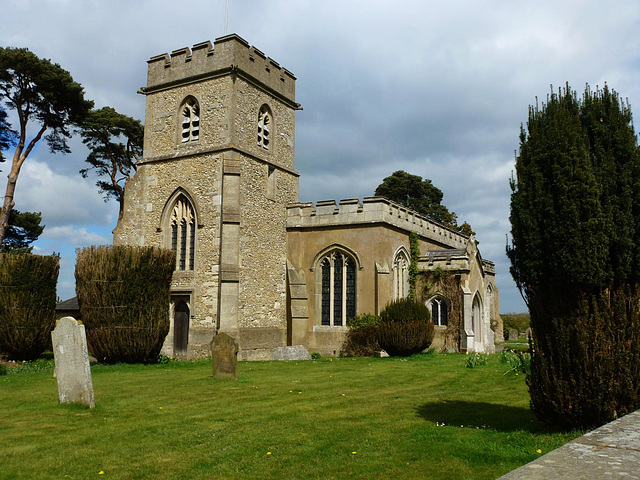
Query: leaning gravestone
(513, 334)
(72, 362)
(224, 354)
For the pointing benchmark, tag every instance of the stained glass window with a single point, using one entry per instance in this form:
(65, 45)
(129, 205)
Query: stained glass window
(326, 292)
(440, 311)
(338, 280)
(183, 233)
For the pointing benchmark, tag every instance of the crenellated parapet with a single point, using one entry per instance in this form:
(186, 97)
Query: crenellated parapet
(228, 54)
(372, 210)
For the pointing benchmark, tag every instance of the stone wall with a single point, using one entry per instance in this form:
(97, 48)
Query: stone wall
(372, 210)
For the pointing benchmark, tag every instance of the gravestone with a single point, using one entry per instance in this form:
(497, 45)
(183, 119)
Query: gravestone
(224, 355)
(528, 333)
(72, 362)
(295, 352)
(513, 334)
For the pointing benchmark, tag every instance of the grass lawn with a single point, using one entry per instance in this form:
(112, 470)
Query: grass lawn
(426, 417)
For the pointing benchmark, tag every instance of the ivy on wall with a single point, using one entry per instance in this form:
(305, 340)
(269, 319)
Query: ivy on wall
(414, 251)
(439, 281)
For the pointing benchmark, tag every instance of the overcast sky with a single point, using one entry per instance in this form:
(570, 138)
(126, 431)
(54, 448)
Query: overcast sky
(438, 89)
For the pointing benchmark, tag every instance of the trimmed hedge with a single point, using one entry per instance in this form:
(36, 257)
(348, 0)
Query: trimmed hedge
(27, 303)
(585, 367)
(405, 328)
(123, 294)
(362, 337)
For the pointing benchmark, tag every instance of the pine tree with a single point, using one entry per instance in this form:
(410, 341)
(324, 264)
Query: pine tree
(574, 255)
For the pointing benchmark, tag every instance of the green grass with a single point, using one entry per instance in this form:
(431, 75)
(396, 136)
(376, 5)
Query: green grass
(424, 417)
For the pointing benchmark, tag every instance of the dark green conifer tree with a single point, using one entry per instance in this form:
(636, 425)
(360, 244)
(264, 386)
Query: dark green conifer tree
(574, 217)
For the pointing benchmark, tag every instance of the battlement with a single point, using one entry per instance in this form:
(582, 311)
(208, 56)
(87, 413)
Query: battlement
(230, 53)
(372, 210)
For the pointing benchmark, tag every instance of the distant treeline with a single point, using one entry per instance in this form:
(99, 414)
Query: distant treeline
(516, 321)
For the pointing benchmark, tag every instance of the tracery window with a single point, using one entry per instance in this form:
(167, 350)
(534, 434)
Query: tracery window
(439, 311)
(400, 275)
(190, 120)
(338, 272)
(264, 127)
(183, 233)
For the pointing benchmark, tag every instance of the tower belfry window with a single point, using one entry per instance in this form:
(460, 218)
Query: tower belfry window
(264, 127)
(190, 120)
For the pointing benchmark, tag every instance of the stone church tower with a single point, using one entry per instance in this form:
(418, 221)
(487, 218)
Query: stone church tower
(217, 174)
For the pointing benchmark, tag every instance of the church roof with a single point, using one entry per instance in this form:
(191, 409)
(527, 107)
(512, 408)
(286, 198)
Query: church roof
(68, 305)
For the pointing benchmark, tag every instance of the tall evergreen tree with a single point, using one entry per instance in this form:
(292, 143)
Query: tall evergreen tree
(115, 144)
(422, 196)
(574, 255)
(24, 229)
(7, 135)
(41, 93)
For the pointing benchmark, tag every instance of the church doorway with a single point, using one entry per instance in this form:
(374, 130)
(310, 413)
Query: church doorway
(180, 328)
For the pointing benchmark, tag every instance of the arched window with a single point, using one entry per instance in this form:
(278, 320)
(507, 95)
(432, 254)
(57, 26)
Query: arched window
(264, 127)
(439, 307)
(338, 284)
(476, 318)
(400, 274)
(190, 111)
(183, 233)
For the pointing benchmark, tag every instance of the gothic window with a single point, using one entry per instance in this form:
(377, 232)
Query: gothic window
(439, 311)
(190, 120)
(338, 284)
(264, 127)
(400, 275)
(183, 233)
(476, 318)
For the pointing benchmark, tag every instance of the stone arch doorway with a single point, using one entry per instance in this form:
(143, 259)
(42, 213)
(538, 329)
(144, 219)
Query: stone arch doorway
(180, 329)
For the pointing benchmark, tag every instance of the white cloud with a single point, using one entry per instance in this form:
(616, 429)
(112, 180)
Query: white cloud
(62, 199)
(78, 236)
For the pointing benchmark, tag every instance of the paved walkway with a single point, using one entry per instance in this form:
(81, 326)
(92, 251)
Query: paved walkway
(609, 452)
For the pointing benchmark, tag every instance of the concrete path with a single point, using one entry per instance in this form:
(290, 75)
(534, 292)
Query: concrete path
(609, 452)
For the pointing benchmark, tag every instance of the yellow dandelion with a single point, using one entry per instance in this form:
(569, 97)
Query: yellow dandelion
(290, 391)
(100, 472)
(268, 453)
(344, 394)
(538, 451)
(353, 453)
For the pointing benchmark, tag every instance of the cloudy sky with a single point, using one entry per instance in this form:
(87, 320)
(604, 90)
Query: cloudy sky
(438, 89)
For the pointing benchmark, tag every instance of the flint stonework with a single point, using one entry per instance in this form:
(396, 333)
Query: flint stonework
(224, 353)
(72, 362)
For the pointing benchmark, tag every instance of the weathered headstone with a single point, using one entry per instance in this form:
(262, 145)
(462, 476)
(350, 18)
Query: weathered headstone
(294, 352)
(513, 334)
(528, 333)
(224, 354)
(72, 362)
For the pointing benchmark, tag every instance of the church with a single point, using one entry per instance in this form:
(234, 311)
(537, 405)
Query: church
(218, 185)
